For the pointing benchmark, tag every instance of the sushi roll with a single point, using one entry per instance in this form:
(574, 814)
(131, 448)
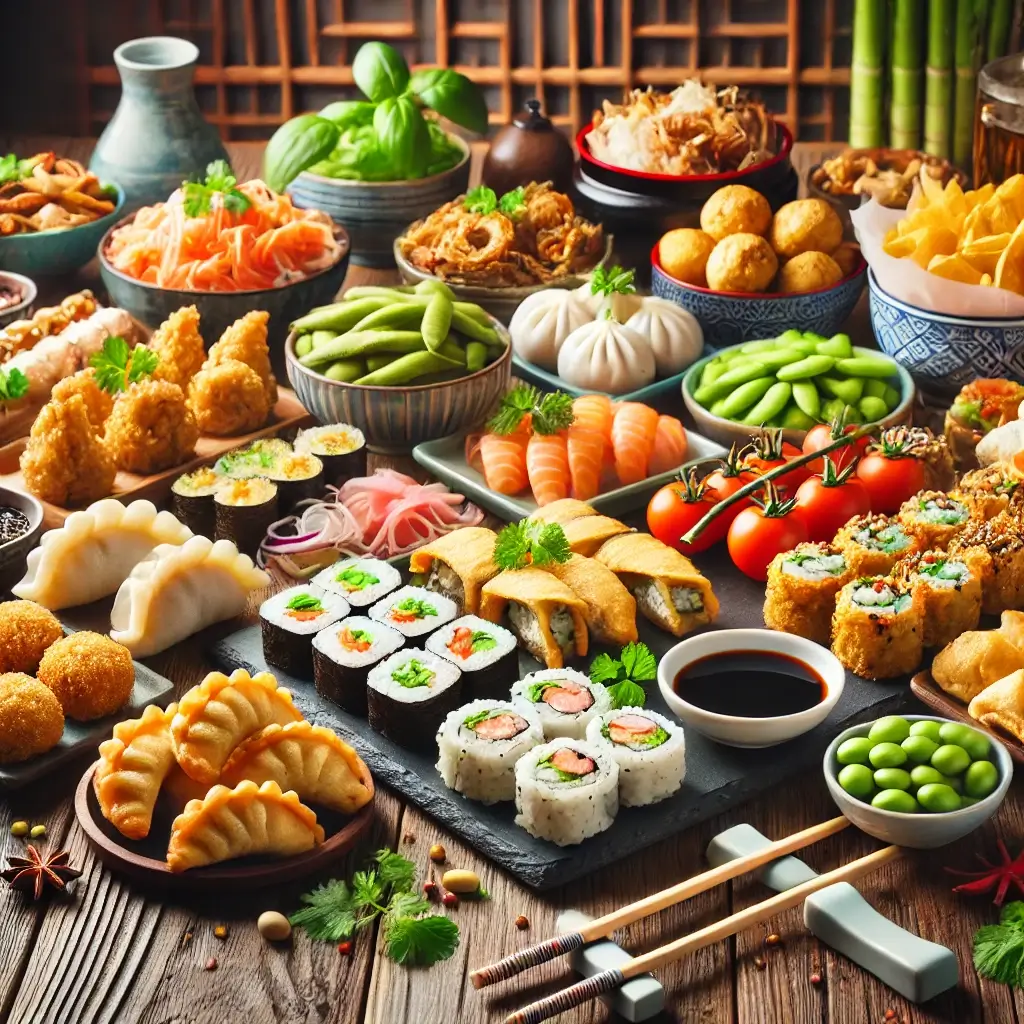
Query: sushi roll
(298, 477)
(244, 511)
(340, 447)
(343, 656)
(801, 593)
(478, 746)
(484, 651)
(290, 619)
(566, 701)
(995, 550)
(987, 492)
(410, 694)
(949, 591)
(933, 519)
(254, 459)
(457, 565)
(877, 630)
(649, 749)
(192, 499)
(361, 581)
(414, 611)
(873, 544)
(566, 791)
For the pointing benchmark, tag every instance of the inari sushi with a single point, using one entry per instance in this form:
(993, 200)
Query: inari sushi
(877, 631)
(949, 591)
(409, 695)
(414, 611)
(343, 656)
(564, 700)
(290, 619)
(933, 519)
(996, 550)
(192, 499)
(584, 528)
(544, 614)
(987, 492)
(873, 544)
(800, 597)
(457, 565)
(361, 581)
(669, 589)
(649, 749)
(611, 608)
(298, 477)
(478, 746)
(340, 447)
(562, 511)
(485, 652)
(244, 511)
(566, 791)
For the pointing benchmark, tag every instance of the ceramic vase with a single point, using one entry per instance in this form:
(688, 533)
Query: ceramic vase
(157, 137)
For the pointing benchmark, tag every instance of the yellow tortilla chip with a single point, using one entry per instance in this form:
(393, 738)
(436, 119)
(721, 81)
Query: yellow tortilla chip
(980, 195)
(937, 241)
(1002, 215)
(1010, 268)
(983, 253)
(954, 268)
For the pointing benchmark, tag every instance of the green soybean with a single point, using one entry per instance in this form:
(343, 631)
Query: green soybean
(437, 318)
(346, 370)
(890, 729)
(377, 362)
(809, 366)
(321, 337)
(924, 774)
(473, 328)
(857, 780)
(744, 396)
(855, 750)
(711, 372)
(794, 418)
(980, 779)
(303, 343)
(968, 801)
(919, 748)
(872, 409)
(431, 286)
(951, 759)
(339, 316)
(766, 344)
(838, 346)
(476, 356)
(849, 390)
(891, 397)
(451, 349)
(347, 346)
(928, 728)
(732, 378)
(771, 404)
(407, 368)
(777, 360)
(474, 312)
(892, 778)
(867, 366)
(938, 798)
(898, 800)
(888, 755)
(832, 409)
(807, 398)
(716, 407)
(875, 388)
(964, 736)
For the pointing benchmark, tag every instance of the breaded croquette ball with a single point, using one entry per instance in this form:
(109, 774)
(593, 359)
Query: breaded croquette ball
(246, 341)
(179, 345)
(31, 721)
(98, 403)
(809, 272)
(26, 630)
(805, 225)
(228, 398)
(734, 209)
(741, 263)
(151, 427)
(90, 674)
(683, 254)
(847, 257)
(65, 462)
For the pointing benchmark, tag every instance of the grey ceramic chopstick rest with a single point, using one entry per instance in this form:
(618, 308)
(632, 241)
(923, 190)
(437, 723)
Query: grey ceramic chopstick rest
(844, 920)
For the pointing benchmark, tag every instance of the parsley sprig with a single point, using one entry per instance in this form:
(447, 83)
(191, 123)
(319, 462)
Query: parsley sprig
(198, 195)
(623, 675)
(549, 413)
(530, 543)
(999, 948)
(13, 169)
(485, 200)
(117, 365)
(13, 385)
(611, 281)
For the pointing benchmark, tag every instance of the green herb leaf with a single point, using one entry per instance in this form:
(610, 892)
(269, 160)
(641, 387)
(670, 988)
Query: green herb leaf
(13, 169)
(627, 694)
(553, 414)
(348, 113)
(513, 204)
(481, 641)
(329, 913)
(296, 146)
(604, 668)
(414, 606)
(380, 71)
(609, 281)
(472, 721)
(420, 940)
(367, 889)
(395, 870)
(529, 543)
(413, 674)
(638, 662)
(198, 196)
(999, 948)
(515, 404)
(480, 200)
(13, 385)
(452, 95)
(116, 366)
(402, 136)
(535, 692)
(305, 603)
(355, 579)
(552, 767)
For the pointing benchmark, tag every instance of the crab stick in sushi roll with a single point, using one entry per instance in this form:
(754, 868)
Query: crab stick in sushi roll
(343, 655)
(564, 700)
(484, 652)
(877, 631)
(949, 590)
(457, 565)
(361, 581)
(873, 544)
(800, 597)
(933, 519)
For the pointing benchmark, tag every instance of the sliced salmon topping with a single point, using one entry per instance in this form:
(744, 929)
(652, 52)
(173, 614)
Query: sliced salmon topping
(567, 697)
(501, 727)
(573, 763)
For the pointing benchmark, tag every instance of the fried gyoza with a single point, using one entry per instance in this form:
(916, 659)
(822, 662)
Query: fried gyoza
(246, 341)
(151, 427)
(179, 345)
(228, 398)
(98, 404)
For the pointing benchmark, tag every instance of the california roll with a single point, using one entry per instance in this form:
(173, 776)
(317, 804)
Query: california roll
(800, 597)
(933, 519)
(485, 652)
(873, 544)
(361, 581)
(414, 611)
(566, 701)
(343, 656)
(290, 619)
(877, 630)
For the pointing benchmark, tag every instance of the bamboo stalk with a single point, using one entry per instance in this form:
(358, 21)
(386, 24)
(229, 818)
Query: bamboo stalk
(999, 23)
(971, 17)
(906, 49)
(938, 91)
(867, 78)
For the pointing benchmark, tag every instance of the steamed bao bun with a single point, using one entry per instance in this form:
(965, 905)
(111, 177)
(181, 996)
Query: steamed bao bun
(809, 272)
(741, 263)
(684, 254)
(805, 225)
(733, 210)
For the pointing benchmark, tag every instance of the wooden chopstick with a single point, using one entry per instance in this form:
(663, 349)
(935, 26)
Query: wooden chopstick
(524, 959)
(594, 986)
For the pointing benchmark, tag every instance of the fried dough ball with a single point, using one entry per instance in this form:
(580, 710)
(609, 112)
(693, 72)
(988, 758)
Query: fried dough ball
(741, 263)
(228, 398)
(26, 630)
(246, 341)
(151, 427)
(684, 254)
(31, 721)
(806, 225)
(179, 345)
(64, 462)
(98, 403)
(847, 257)
(90, 674)
(735, 209)
(809, 272)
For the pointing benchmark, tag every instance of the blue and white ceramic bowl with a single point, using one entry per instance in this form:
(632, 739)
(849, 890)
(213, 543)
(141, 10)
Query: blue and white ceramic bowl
(730, 318)
(942, 352)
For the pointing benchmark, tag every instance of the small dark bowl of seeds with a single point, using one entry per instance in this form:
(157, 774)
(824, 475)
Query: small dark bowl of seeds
(21, 522)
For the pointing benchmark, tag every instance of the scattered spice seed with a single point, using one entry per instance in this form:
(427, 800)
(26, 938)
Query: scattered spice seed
(522, 922)
(408, 838)
(815, 978)
(186, 939)
(221, 931)
(37, 831)
(211, 964)
(890, 1014)
(450, 899)
(760, 963)
(345, 948)
(437, 854)
(19, 829)
(773, 939)
(430, 890)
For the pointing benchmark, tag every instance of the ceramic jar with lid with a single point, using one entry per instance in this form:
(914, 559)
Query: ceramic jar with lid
(529, 149)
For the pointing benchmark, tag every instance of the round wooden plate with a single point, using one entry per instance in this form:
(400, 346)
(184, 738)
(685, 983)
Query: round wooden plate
(143, 860)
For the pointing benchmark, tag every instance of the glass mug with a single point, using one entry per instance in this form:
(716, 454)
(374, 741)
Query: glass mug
(999, 121)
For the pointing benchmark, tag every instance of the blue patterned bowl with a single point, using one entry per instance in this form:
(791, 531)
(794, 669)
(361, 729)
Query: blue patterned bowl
(730, 318)
(945, 352)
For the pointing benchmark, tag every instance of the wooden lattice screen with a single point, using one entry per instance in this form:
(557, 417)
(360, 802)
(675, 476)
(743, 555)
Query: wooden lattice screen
(264, 60)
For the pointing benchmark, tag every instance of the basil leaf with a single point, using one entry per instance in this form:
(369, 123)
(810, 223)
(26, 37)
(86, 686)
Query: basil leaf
(402, 136)
(380, 72)
(295, 146)
(452, 95)
(348, 113)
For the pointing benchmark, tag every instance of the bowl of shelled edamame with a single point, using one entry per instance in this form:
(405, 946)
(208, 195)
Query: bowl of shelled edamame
(917, 781)
(404, 365)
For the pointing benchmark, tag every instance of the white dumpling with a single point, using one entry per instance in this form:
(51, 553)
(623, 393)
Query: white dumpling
(606, 356)
(542, 321)
(675, 335)
(178, 591)
(94, 552)
(618, 306)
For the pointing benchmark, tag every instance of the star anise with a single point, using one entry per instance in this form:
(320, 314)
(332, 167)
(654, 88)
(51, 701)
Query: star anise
(35, 872)
(1010, 871)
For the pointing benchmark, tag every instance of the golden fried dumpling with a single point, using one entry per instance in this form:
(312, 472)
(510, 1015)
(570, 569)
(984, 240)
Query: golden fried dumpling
(1002, 704)
(179, 345)
(307, 758)
(1011, 625)
(151, 427)
(98, 404)
(228, 398)
(133, 765)
(246, 341)
(248, 819)
(974, 660)
(215, 716)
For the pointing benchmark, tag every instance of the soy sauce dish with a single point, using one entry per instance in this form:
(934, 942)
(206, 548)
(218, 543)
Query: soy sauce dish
(750, 687)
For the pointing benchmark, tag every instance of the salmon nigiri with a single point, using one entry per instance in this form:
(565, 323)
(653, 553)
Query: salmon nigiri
(594, 412)
(586, 450)
(633, 432)
(547, 464)
(669, 446)
(502, 460)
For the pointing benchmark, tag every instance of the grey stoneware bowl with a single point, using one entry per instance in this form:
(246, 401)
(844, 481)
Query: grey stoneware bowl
(14, 553)
(915, 831)
(27, 287)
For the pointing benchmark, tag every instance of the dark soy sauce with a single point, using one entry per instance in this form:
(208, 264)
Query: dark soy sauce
(750, 684)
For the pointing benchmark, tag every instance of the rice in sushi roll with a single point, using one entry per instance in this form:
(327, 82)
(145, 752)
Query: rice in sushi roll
(414, 611)
(244, 511)
(933, 519)
(361, 581)
(409, 694)
(254, 459)
(298, 477)
(566, 791)
(565, 701)
(290, 619)
(873, 544)
(877, 630)
(340, 447)
(478, 746)
(192, 499)
(801, 593)
(649, 750)
(485, 652)
(343, 656)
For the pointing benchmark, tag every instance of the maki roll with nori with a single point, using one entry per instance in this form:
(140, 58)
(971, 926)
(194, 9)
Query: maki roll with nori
(340, 447)
(192, 499)
(298, 477)
(290, 619)
(877, 630)
(343, 655)
(255, 459)
(800, 596)
(361, 581)
(566, 701)
(243, 512)
(950, 593)
(484, 651)
(873, 544)
(410, 694)
(933, 519)
(414, 611)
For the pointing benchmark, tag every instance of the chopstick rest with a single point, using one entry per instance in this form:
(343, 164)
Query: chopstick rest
(841, 918)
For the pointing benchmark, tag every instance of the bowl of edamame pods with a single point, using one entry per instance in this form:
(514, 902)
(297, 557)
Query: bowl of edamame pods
(917, 781)
(404, 365)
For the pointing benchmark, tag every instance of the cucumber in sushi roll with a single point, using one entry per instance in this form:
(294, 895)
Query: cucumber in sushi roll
(298, 477)
(414, 611)
(950, 593)
(877, 631)
(565, 700)
(192, 499)
(255, 459)
(244, 511)
(340, 447)
(288, 622)
(485, 652)
(343, 655)
(361, 581)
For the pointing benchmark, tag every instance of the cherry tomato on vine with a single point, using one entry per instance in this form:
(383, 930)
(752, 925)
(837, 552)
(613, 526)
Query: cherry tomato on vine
(830, 500)
(759, 533)
(768, 451)
(824, 434)
(892, 470)
(725, 480)
(678, 507)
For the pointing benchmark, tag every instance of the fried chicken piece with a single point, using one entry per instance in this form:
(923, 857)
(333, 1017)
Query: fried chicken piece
(151, 427)
(179, 345)
(65, 462)
(90, 674)
(98, 404)
(228, 398)
(26, 630)
(246, 341)
(31, 721)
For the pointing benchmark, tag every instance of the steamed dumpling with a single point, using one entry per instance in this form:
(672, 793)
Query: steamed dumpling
(674, 334)
(177, 591)
(94, 552)
(606, 356)
(229, 823)
(542, 321)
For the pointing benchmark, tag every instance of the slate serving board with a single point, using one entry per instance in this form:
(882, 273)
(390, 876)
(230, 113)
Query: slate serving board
(717, 777)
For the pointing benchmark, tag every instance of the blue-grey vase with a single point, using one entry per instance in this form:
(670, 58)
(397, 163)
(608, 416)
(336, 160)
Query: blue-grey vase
(157, 137)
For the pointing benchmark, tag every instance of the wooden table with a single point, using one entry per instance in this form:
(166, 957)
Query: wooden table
(114, 954)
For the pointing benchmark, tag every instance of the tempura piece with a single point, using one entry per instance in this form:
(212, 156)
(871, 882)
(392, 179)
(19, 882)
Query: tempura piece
(151, 427)
(1001, 705)
(246, 341)
(98, 404)
(179, 345)
(228, 398)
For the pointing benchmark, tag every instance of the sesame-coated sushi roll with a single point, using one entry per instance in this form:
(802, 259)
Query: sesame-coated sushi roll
(800, 597)
(873, 544)
(343, 656)
(565, 700)
(933, 519)
(290, 619)
(877, 630)
(414, 611)
(949, 593)
(987, 492)
(996, 550)
(361, 581)
(485, 652)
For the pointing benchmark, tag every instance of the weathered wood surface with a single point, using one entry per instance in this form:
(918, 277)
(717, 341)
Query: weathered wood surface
(115, 955)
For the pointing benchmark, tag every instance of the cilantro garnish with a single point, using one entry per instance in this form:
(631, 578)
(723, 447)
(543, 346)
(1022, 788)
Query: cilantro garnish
(117, 366)
(634, 665)
(198, 195)
(13, 385)
(531, 543)
(999, 948)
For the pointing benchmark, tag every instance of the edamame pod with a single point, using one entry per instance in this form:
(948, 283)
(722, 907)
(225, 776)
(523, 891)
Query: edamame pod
(809, 366)
(394, 317)
(318, 338)
(471, 309)
(348, 346)
(376, 362)
(407, 368)
(431, 286)
(794, 418)
(732, 378)
(476, 356)
(345, 370)
(891, 397)
(744, 396)
(832, 409)
(872, 409)
(303, 343)
(402, 293)
(770, 405)
(339, 316)
(838, 346)
(875, 388)
(807, 399)
(716, 407)
(451, 349)
(711, 372)
(815, 339)
(777, 360)
(436, 320)
(849, 390)
(803, 346)
(864, 366)
(474, 329)
(764, 345)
